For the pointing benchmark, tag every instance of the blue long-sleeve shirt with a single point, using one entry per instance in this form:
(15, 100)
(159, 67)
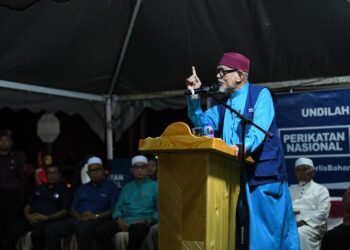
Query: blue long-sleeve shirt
(138, 200)
(263, 115)
(95, 198)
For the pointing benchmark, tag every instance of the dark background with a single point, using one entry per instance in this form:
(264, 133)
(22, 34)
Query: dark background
(77, 141)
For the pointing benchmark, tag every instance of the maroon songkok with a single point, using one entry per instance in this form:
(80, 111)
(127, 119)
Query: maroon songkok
(235, 61)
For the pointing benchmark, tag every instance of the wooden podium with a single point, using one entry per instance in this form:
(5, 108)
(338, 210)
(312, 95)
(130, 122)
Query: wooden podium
(198, 189)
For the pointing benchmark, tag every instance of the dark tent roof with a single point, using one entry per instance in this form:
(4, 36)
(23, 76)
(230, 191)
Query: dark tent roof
(75, 45)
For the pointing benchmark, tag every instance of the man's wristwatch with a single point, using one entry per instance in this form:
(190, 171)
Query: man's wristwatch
(97, 216)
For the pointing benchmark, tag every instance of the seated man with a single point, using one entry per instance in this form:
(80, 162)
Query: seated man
(48, 202)
(152, 167)
(338, 238)
(92, 205)
(136, 208)
(311, 205)
(151, 240)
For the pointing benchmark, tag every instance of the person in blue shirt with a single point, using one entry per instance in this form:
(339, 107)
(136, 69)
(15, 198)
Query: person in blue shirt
(49, 202)
(271, 218)
(136, 209)
(92, 205)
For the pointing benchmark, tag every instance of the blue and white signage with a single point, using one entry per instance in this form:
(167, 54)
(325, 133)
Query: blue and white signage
(323, 141)
(120, 172)
(317, 125)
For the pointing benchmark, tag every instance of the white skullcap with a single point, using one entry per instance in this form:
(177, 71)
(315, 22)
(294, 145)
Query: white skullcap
(94, 160)
(139, 159)
(304, 161)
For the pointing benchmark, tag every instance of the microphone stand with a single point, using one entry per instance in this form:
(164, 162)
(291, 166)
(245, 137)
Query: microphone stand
(243, 210)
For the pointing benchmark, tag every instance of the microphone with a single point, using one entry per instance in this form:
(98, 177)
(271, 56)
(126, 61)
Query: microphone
(204, 90)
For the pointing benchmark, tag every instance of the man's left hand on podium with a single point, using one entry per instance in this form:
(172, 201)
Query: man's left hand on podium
(238, 149)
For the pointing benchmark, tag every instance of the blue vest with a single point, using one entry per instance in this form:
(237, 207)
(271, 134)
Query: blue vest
(269, 165)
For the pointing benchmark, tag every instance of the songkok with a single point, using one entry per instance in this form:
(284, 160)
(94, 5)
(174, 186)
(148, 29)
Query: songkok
(304, 161)
(94, 160)
(139, 159)
(235, 61)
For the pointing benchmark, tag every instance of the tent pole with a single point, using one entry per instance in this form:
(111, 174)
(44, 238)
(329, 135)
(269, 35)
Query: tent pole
(109, 125)
(109, 128)
(125, 45)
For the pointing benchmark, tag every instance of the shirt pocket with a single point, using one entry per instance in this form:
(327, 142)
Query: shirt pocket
(266, 165)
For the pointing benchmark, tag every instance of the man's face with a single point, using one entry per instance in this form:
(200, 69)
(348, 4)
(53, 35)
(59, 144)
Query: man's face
(96, 172)
(304, 173)
(53, 175)
(139, 171)
(229, 79)
(151, 167)
(5, 143)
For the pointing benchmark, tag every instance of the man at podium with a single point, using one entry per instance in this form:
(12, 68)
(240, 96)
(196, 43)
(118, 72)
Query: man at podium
(271, 219)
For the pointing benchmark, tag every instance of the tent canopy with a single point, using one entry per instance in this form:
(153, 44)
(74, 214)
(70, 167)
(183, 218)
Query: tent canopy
(76, 46)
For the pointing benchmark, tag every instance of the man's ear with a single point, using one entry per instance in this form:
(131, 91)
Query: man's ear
(241, 76)
(313, 173)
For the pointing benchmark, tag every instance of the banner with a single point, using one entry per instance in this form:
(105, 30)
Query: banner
(317, 125)
(120, 172)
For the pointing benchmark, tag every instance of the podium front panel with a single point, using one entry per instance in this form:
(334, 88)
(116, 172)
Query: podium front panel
(197, 201)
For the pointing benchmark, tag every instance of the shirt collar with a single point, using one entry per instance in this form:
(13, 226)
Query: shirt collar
(241, 91)
(97, 183)
(306, 184)
(141, 181)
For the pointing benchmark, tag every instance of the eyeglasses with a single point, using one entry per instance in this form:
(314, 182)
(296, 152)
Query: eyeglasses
(222, 72)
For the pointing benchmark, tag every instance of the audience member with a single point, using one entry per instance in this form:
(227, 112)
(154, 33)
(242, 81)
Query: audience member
(311, 205)
(338, 238)
(92, 205)
(136, 208)
(151, 241)
(12, 180)
(48, 203)
(152, 167)
(44, 160)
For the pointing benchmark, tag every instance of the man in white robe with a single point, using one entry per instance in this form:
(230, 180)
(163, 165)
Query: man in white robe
(311, 205)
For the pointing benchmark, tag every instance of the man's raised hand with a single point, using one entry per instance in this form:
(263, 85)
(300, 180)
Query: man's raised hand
(193, 81)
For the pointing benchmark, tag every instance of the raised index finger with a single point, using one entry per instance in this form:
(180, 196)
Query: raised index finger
(194, 71)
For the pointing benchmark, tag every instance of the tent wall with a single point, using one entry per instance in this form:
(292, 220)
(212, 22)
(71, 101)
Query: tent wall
(92, 112)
